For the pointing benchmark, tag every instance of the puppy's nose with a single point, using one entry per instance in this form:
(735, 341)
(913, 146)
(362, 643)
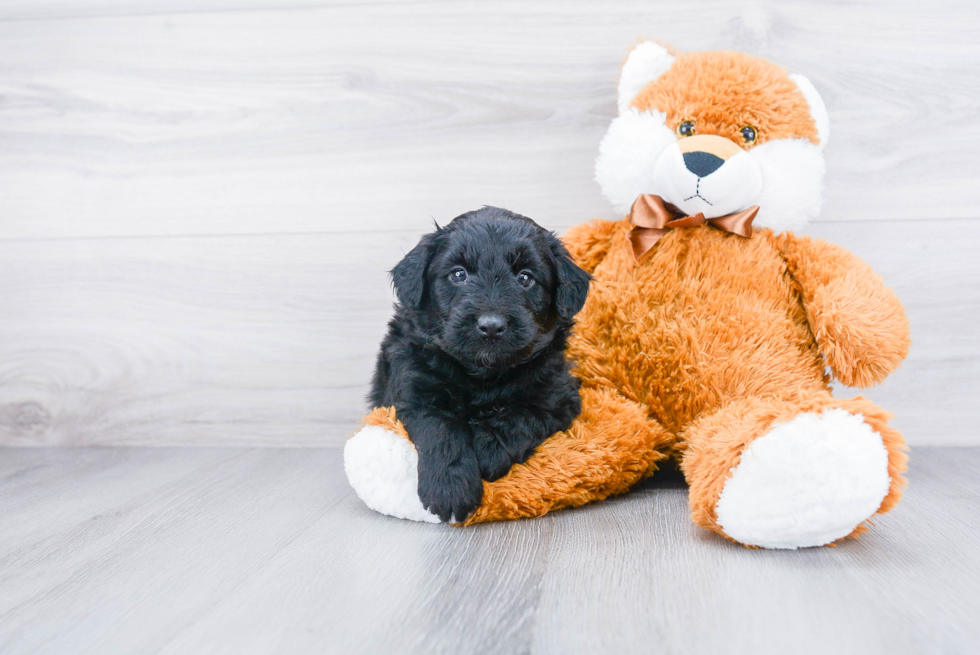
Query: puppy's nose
(702, 164)
(491, 325)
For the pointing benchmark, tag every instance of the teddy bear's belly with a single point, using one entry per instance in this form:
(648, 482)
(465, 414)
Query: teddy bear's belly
(700, 321)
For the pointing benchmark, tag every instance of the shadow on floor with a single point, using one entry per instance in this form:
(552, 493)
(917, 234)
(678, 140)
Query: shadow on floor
(668, 477)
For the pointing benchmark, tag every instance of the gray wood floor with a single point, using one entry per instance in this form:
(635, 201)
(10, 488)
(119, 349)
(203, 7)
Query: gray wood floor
(184, 550)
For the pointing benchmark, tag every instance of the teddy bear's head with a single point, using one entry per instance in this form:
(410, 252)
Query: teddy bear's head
(716, 133)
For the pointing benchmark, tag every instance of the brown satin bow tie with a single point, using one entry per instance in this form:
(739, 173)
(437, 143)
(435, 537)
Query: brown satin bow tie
(652, 218)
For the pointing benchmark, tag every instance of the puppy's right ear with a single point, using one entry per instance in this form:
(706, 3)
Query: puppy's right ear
(573, 282)
(408, 276)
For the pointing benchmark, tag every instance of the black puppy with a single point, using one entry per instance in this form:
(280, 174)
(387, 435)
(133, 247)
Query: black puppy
(474, 359)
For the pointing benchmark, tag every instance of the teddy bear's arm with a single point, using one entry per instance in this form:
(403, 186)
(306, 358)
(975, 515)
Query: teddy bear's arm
(858, 322)
(589, 242)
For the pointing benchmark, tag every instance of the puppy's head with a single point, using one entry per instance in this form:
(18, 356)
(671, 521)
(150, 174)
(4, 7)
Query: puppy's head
(491, 289)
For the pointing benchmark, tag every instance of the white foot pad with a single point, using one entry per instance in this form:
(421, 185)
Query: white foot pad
(806, 482)
(382, 466)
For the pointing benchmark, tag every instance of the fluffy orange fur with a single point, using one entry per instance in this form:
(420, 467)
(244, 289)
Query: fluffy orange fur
(727, 91)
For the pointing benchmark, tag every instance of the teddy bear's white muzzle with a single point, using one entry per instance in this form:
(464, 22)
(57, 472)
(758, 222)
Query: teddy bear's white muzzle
(699, 181)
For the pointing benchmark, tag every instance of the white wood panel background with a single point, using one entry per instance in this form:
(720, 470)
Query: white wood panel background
(198, 200)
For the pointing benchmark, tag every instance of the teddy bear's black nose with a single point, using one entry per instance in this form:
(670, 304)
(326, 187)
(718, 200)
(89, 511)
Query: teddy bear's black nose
(702, 164)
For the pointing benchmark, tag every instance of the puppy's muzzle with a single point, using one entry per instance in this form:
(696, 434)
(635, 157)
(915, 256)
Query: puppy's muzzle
(491, 326)
(706, 153)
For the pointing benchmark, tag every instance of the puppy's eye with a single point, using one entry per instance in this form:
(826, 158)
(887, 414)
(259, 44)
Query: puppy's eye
(524, 279)
(749, 134)
(458, 275)
(686, 128)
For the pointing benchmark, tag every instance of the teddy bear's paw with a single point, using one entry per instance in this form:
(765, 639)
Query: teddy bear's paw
(382, 467)
(807, 482)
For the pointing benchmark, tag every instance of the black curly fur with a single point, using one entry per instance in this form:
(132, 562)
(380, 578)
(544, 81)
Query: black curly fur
(475, 405)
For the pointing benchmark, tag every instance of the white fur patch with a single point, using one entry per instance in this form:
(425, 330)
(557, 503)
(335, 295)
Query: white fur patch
(628, 155)
(807, 482)
(731, 188)
(646, 63)
(792, 183)
(382, 467)
(818, 110)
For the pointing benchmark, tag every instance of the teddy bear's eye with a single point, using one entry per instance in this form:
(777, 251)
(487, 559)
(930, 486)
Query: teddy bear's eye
(749, 134)
(686, 128)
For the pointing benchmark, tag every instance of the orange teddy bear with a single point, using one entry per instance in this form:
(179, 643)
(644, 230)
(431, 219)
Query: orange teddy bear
(709, 327)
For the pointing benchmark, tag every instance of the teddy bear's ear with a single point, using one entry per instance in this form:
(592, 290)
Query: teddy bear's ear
(646, 62)
(818, 111)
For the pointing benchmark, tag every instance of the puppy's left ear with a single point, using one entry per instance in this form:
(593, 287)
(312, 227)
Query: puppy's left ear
(573, 282)
(408, 276)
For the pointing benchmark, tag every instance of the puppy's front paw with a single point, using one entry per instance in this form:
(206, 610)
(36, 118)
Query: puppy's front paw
(451, 495)
(494, 465)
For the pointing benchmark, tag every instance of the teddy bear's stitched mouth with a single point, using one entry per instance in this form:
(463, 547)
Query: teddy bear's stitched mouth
(697, 194)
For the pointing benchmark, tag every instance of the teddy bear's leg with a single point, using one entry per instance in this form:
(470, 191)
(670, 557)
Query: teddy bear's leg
(792, 473)
(382, 467)
(610, 446)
